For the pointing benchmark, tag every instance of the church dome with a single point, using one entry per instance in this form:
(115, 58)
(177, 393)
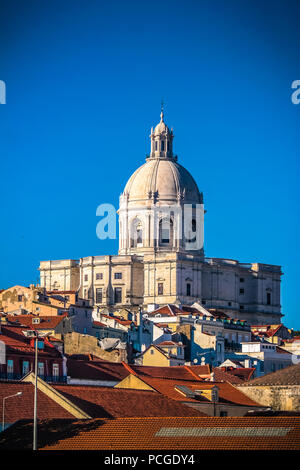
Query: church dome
(163, 179)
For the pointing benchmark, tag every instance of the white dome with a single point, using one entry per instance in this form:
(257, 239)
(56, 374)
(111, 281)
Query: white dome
(165, 179)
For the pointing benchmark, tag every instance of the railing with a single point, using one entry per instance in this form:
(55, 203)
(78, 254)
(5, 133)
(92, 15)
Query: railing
(232, 346)
(46, 378)
(10, 376)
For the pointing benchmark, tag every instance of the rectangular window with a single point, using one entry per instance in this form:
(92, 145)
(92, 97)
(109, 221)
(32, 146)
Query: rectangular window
(165, 235)
(99, 276)
(242, 291)
(203, 302)
(118, 275)
(25, 367)
(20, 298)
(223, 413)
(162, 145)
(160, 288)
(268, 298)
(98, 296)
(55, 370)
(139, 236)
(242, 279)
(85, 294)
(40, 368)
(86, 277)
(118, 295)
(10, 366)
(241, 307)
(229, 304)
(188, 290)
(155, 145)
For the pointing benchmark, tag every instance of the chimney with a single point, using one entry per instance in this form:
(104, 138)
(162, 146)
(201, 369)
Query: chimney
(139, 317)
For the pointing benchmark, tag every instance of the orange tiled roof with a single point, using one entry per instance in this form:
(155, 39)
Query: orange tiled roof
(96, 370)
(174, 372)
(287, 376)
(243, 373)
(98, 323)
(221, 375)
(107, 402)
(174, 433)
(169, 343)
(46, 322)
(227, 393)
(22, 407)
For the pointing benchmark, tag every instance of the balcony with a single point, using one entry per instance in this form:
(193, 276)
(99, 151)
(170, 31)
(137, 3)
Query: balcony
(232, 346)
(46, 378)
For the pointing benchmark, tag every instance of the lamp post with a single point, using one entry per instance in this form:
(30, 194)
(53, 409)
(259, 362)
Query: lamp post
(3, 407)
(35, 394)
(36, 335)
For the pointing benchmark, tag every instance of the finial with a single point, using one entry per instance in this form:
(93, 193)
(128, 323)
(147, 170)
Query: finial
(162, 111)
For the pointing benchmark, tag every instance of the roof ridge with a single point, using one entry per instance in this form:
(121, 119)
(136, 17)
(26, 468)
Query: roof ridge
(127, 366)
(192, 373)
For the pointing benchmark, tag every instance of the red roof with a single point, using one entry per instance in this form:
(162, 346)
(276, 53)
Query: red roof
(99, 324)
(169, 433)
(168, 343)
(174, 372)
(17, 342)
(110, 402)
(243, 373)
(221, 375)
(96, 370)
(227, 393)
(22, 407)
(46, 322)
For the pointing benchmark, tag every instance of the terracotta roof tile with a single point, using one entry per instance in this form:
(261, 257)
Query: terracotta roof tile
(227, 393)
(174, 372)
(22, 407)
(46, 322)
(242, 433)
(288, 376)
(110, 402)
(15, 340)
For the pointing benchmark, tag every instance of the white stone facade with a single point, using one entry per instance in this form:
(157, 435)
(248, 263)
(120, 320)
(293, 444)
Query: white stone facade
(161, 258)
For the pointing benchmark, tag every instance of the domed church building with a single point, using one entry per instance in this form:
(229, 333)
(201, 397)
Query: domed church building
(161, 256)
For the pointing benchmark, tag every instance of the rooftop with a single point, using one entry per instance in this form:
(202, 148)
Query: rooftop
(288, 376)
(173, 433)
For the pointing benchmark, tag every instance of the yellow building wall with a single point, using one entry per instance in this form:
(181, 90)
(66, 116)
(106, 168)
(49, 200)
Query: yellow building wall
(155, 359)
(133, 382)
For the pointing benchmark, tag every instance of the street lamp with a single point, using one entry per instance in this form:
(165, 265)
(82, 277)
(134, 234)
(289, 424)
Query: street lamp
(3, 407)
(36, 335)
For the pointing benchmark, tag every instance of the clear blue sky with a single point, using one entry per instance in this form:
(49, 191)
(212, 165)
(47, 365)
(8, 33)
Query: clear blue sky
(84, 84)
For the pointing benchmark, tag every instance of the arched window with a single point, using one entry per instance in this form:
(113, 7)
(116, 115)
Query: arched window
(188, 289)
(136, 234)
(162, 145)
(191, 237)
(165, 232)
